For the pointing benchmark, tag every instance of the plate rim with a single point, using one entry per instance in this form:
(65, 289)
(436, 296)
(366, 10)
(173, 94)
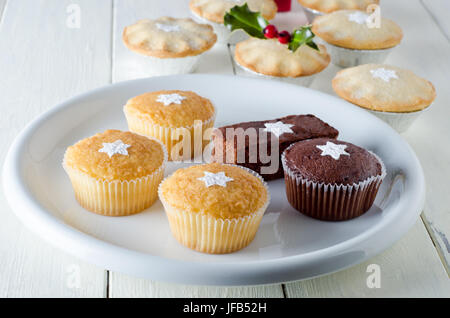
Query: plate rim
(28, 209)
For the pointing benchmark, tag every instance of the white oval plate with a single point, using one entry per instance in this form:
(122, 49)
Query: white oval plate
(288, 246)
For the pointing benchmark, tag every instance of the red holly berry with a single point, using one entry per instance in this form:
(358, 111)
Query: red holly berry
(284, 37)
(270, 31)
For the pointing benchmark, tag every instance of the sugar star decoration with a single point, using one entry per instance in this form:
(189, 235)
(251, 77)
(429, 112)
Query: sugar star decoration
(358, 17)
(168, 27)
(211, 179)
(384, 74)
(116, 147)
(278, 128)
(333, 150)
(168, 99)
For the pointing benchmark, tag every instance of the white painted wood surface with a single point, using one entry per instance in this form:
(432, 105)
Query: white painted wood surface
(216, 61)
(435, 125)
(426, 51)
(439, 10)
(2, 6)
(45, 62)
(410, 268)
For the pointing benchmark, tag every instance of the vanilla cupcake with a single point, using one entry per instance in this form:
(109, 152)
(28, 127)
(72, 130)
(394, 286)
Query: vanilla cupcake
(213, 11)
(214, 208)
(395, 95)
(115, 173)
(272, 60)
(352, 40)
(181, 120)
(314, 8)
(167, 45)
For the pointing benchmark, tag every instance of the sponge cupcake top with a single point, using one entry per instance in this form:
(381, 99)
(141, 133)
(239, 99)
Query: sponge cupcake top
(115, 155)
(171, 108)
(218, 190)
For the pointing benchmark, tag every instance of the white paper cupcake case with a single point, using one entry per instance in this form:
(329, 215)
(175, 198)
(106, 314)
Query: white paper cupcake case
(344, 57)
(331, 202)
(399, 121)
(311, 14)
(164, 134)
(207, 234)
(305, 81)
(116, 198)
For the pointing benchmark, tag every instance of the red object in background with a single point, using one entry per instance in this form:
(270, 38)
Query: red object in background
(270, 31)
(283, 5)
(284, 37)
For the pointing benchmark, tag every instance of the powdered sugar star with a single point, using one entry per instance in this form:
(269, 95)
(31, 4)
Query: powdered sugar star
(278, 128)
(168, 27)
(211, 179)
(384, 74)
(358, 17)
(333, 150)
(116, 147)
(168, 99)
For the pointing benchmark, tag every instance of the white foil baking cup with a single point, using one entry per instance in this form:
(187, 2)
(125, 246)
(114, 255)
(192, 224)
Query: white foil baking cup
(220, 30)
(116, 198)
(311, 14)
(204, 233)
(169, 136)
(144, 66)
(224, 35)
(305, 81)
(331, 202)
(399, 121)
(344, 57)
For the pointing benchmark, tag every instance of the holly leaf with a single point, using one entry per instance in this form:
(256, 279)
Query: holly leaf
(241, 18)
(302, 36)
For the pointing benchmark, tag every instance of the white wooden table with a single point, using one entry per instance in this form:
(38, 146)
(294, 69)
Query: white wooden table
(44, 60)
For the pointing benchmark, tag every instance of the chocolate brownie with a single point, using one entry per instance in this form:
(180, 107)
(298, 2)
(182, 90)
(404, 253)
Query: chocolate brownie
(250, 144)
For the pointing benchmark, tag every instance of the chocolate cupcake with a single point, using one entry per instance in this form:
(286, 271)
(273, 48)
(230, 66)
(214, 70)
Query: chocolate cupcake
(331, 180)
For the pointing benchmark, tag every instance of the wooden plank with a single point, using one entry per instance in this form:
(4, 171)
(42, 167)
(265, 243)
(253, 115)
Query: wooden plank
(126, 286)
(217, 60)
(2, 7)
(415, 237)
(43, 62)
(412, 265)
(433, 124)
(437, 216)
(438, 10)
(411, 268)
